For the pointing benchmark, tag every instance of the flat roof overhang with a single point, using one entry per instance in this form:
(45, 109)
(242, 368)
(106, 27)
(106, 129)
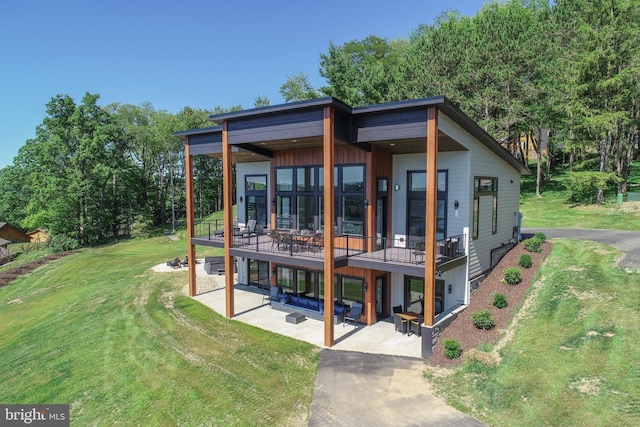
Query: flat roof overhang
(397, 127)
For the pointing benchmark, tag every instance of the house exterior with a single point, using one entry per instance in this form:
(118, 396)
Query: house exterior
(38, 236)
(419, 198)
(12, 234)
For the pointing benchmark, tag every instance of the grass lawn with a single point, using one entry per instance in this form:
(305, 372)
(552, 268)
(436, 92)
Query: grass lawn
(552, 210)
(123, 345)
(574, 357)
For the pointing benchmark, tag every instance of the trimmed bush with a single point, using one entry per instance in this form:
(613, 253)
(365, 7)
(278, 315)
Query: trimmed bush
(533, 244)
(525, 261)
(499, 300)
(451, 349)
(541, 236)
(512, 276)
(482, 319)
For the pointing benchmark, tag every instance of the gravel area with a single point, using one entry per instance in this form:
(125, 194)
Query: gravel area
(204, 282)
(463, 330)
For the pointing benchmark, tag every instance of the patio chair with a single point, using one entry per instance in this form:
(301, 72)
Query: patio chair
(354, 314)
(277, 239)
(272, 295)
(418, 251)
(414, 326)
(397, 309)
(400, 323)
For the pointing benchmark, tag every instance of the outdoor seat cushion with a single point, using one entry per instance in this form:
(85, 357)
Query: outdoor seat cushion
(313, 304)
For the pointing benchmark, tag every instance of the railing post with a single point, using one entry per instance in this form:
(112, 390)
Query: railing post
(384, 242)
(290, 244)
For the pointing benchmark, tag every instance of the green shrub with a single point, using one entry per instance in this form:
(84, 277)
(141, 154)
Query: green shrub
(512, 276)
(451, 349)
(582, 187)
(62, 243)
(482, 319)
(533, 244)
(525, 261)
(499, 300)
(541, 236)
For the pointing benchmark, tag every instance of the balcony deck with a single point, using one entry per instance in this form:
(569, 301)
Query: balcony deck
(303, 250)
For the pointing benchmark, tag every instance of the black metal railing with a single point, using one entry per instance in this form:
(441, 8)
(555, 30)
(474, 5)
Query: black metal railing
(311, 244)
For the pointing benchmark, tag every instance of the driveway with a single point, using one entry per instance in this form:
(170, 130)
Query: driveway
(627, 242)
(361, 389)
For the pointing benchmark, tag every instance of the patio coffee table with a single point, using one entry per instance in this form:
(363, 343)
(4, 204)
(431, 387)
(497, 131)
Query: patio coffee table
(295, 318)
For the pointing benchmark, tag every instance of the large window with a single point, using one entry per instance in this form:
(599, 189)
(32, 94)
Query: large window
(310, 283)
(485, 187)
(414, 295)
(256, 196)
(300, 196)
(417, 208)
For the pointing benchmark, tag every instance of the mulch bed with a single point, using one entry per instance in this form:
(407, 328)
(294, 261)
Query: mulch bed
(12, 274)
(463, 330)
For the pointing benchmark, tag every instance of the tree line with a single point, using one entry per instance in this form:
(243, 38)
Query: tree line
(95, 173)
(526, 70)
(566, 72)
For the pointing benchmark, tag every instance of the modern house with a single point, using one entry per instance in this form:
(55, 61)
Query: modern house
(399, 204)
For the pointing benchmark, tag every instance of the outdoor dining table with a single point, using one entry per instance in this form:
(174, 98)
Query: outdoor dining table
(410, 316)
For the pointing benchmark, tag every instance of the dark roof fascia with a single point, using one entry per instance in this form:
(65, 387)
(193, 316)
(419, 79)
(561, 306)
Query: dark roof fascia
(400, 105)
(455, 114)
(189, 132)
(283, 108)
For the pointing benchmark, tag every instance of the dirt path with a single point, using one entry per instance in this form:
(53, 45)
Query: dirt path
(12, 274)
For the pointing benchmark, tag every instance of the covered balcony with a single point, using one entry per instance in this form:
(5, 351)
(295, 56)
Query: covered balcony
(304, 247)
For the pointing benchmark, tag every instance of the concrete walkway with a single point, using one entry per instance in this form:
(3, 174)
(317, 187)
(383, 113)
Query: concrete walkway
(354, 387)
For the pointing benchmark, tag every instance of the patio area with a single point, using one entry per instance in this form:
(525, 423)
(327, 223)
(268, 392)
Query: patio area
(252, 308)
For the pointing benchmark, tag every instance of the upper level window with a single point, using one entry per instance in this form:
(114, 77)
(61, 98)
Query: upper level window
(485, 186)
(300, 194)
(284, 179)
(416, 205)
(353, 179)
(306, 179)
(255, 183)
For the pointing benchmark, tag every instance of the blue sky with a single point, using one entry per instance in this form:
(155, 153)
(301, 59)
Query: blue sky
(177, 53)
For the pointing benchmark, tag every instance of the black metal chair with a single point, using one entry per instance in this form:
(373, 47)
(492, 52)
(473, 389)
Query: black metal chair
(418, 251)
(354, 314)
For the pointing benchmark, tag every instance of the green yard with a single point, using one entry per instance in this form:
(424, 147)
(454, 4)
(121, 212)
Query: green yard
(574, 358)
(123, 345)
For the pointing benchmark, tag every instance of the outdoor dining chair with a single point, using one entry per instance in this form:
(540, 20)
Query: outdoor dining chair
(400, 323)
(414, 326)
(354, 314)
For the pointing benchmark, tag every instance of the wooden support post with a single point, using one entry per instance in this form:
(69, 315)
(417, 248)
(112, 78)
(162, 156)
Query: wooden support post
(328, 158)
(227, 184)
(191, 248)
(430, 218)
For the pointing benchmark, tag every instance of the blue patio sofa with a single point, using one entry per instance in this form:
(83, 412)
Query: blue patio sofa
(312, 308)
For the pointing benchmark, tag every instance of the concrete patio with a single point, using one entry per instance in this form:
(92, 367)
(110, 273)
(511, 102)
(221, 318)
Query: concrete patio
(252, 308)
